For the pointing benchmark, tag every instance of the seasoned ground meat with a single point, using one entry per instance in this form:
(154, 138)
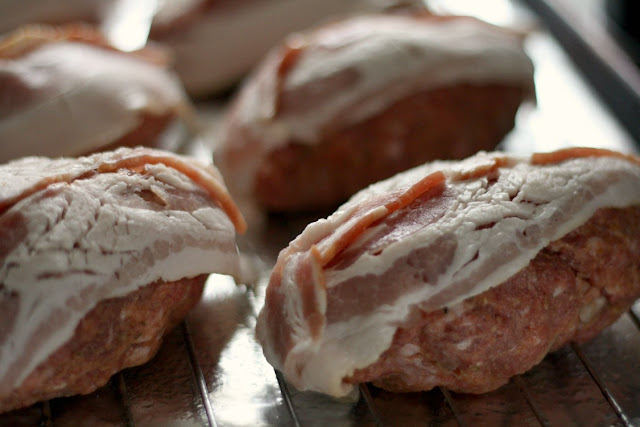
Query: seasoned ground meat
(570, 291)
(422, 127)
(118, 333)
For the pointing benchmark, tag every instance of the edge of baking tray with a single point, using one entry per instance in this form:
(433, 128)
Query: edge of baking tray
(605, 65)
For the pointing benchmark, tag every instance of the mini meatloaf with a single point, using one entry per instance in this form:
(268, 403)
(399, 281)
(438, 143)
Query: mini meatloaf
(100, 257)
(457, 274)
(64, 91)
(358, 100)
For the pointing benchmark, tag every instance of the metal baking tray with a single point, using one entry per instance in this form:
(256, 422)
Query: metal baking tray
(211, 372)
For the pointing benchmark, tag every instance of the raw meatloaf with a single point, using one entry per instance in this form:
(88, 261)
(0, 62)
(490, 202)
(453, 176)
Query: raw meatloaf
(358, 100)
(64, 91)
(100, 257)
(187, 28)
(457, 274)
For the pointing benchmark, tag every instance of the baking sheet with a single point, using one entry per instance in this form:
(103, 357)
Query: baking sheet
(210, 371)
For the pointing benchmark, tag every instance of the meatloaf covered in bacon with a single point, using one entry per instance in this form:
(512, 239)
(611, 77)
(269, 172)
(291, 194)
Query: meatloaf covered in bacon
(196, 32)
(64, 91)
(358, 100)
(457, 274)
(100, 257)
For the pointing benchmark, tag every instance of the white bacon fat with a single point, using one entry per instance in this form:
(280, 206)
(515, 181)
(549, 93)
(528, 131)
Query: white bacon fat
(80, 95)
(428, 238)
(78, 231)
(196, 30)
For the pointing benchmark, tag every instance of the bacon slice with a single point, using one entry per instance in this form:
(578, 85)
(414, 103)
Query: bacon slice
(84, 95)
(485, 219)
(77, 232)
(188, 28)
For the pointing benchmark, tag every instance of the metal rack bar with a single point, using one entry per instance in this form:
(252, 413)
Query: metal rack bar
(197, 371)
(532, 404)
(635, 314)
(613, 355)
(124, 398)
(46, 414)
(286, 395)
(605, 391)
(562, 390)
(366, 395)
(456, 412)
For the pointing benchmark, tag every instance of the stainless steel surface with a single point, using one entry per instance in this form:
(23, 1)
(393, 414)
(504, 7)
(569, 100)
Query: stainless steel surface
(583, 28)
(210, 371)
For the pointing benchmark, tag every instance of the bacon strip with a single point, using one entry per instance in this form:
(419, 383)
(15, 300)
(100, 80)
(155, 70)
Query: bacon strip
(356, 225)
(134, 160)
(565, 154)
(31, 37)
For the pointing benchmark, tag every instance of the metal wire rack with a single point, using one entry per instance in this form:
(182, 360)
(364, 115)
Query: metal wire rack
(191, 382)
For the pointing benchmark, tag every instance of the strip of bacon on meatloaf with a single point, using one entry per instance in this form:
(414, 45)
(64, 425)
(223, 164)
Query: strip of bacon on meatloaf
(460, 274)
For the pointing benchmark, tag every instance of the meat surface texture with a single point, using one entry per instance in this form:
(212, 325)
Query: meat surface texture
(84, 95)
(331, 110)
(101, 256)
(457, 274)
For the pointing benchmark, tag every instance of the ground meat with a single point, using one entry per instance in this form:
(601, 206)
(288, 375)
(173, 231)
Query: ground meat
(570, 291)
(424, 126)
(118, 333)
